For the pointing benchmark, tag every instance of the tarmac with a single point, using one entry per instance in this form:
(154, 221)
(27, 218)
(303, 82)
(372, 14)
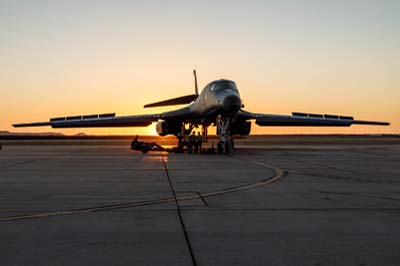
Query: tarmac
(274, 205)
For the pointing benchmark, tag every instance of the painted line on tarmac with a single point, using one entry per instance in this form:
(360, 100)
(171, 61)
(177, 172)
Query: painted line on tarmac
(279, 174)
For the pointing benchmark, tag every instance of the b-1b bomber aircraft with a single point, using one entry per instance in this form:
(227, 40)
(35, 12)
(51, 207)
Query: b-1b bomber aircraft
(219, 104)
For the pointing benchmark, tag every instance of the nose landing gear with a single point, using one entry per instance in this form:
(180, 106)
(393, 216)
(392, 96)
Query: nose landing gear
(225, 144)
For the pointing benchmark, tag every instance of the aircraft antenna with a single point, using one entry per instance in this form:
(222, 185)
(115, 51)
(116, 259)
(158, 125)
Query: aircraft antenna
(196, 89)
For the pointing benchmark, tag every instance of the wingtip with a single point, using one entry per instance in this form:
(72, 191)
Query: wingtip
(36, 124)
(373, 123)
(382, 123)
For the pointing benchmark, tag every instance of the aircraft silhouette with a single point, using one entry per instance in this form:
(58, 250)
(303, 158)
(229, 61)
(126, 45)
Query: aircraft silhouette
(218, 104)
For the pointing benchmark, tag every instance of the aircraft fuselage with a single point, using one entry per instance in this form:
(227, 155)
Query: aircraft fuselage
(218, 97)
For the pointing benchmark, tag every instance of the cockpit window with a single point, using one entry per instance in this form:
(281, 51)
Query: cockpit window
(232, 85)
(222, 85)
(226, 85)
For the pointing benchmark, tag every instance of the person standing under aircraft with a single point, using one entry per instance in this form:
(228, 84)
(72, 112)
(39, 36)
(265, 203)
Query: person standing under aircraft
(192, 142)
(186, 139)
(199, 141)
(180, 141)
(196, 144)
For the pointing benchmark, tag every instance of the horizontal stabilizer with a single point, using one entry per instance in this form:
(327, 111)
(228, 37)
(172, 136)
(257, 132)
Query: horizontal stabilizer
(175, 101)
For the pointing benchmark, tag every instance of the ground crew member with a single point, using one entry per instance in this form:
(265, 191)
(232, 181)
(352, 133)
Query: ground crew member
(135, 143)
(187, 141)
(192, 142)
(196, 144)
(180, 141)
(199, 141)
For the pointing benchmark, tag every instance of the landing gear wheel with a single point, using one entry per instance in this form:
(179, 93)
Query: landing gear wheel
(227, 147)
(219, 148)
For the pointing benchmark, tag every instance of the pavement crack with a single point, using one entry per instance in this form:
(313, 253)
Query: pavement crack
(20, 163)
(202, 198)
(180, 214)
(342, 193)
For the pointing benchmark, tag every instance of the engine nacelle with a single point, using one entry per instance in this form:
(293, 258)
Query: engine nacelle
(241, 128)
(165, 128)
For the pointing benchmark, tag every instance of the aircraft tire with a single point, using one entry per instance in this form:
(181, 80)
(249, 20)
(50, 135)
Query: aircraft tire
(227, 148)
(219, 148)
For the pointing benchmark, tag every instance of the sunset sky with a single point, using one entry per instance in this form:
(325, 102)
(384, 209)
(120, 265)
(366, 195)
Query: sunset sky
(61, 58)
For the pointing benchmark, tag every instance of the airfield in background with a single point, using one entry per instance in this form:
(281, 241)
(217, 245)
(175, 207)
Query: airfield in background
(260, 141)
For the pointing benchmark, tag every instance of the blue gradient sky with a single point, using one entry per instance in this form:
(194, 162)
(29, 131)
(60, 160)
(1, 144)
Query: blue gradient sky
(79, 57)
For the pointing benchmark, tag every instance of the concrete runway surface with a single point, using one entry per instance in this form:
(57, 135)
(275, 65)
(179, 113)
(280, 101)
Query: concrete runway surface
(284, 205)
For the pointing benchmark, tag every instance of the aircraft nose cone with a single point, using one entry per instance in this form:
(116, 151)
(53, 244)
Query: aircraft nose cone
(231, 104)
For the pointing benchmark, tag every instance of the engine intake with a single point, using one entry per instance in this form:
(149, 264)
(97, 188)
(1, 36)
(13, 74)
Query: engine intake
(165, 128)
(242, 128)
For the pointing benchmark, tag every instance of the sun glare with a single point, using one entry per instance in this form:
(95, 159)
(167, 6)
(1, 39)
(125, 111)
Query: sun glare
(151, 130)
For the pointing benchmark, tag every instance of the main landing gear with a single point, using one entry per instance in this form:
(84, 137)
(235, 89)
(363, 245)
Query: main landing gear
(191, 143)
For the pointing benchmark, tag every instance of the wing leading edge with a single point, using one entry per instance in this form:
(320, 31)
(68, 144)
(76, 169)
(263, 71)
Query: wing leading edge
(100, 120)
(305, 119)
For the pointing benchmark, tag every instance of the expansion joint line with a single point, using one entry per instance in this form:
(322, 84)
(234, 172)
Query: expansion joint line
(178, 208)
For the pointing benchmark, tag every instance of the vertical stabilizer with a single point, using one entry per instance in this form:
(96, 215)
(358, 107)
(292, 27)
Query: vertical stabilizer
(196, 89)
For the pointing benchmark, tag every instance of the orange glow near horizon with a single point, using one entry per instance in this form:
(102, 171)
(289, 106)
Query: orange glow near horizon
(126, 102)
(40, 107)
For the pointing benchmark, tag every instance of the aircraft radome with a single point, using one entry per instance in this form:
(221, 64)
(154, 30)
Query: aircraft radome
(218, 104)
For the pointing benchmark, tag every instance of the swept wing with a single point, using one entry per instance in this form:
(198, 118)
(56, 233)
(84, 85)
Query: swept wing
(306, 119)
(97, 120)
